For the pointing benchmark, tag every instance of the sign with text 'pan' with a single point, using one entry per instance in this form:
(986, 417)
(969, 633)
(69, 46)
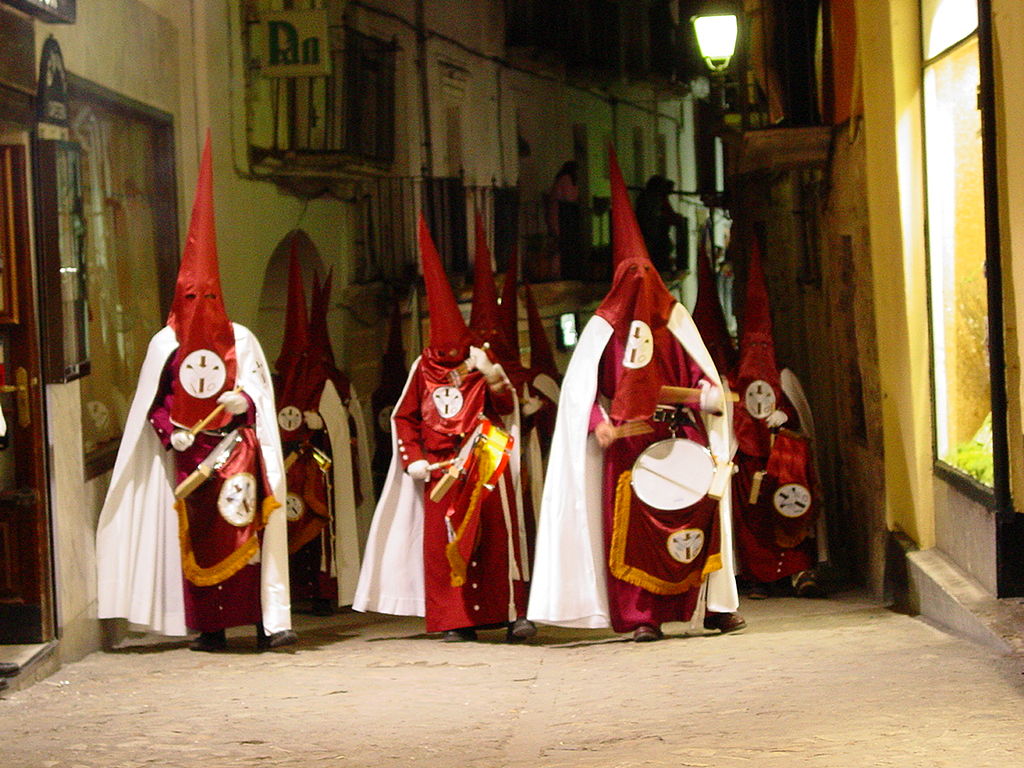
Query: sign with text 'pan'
(292, 43)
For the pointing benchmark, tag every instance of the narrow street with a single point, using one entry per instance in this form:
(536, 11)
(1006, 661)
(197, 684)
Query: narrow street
(831, 683)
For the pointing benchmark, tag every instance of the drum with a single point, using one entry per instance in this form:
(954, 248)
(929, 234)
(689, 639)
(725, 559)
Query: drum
(673, 474)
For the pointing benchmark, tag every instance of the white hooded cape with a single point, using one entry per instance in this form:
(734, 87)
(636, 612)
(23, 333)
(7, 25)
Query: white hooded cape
(137, 551)
(391, 577)
(569, 576)
(346, 532)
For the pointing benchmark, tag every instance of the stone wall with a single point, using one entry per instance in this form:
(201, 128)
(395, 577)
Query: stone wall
(817, 265)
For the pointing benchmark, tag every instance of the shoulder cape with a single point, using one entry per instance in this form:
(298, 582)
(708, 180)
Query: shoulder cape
(569, 576)
(137, 552)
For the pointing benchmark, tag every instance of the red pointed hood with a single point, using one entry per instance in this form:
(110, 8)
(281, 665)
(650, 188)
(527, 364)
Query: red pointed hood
(206, 339)
(708, 315)
(320, 304)
(483, 318)
(320, 345)
(627, 242)
(508, 312)
(637, 306)
(296, 318)
(757, 370)
(757, 318)
(542, 357)
(449, 336)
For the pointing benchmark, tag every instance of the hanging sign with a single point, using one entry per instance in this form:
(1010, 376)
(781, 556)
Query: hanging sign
(50, 10)
(293, 43)
(52, 93)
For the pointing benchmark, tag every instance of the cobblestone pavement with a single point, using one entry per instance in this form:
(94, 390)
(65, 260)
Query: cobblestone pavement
(829, 683)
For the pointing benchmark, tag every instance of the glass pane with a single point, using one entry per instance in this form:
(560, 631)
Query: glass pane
(956, 242)
(944, 22)
(121, 194)
(71, 229)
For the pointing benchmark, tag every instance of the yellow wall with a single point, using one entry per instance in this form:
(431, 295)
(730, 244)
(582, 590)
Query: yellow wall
(1008, 23)
(890, 68)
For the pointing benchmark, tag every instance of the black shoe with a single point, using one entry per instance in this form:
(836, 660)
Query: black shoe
(322, 607)
(805, 584)
(724, 622)
(209, 642)
(265, 642)
(646, 634)
(521, 629)
(464, 635)
(759, 591)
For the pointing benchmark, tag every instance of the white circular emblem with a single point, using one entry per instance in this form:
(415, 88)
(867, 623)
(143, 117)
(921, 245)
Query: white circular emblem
(294, 506)
(792, 500)
(289, 418)
(685, 544)
(448, 401)
(384, 419)
(237, 500)
(202, 373)
(639, 345)
(759, 399)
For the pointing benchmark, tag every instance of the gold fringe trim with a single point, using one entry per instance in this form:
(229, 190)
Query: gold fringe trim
(617, 554)
(458, 565)
(230, 565)
(712, 564)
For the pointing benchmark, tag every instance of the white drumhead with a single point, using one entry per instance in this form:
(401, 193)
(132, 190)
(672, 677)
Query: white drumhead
(673, 474)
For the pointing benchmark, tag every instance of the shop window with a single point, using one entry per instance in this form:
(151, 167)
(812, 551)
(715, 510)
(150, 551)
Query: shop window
(956, 238)
(128, 206)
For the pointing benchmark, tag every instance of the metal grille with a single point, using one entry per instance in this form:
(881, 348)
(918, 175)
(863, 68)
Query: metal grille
(389, 208)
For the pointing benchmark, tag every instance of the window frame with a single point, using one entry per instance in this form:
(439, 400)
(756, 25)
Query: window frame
(957, 478)
(166, 235)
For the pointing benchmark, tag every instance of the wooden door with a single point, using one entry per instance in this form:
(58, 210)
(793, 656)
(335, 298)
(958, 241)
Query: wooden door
(26, 592)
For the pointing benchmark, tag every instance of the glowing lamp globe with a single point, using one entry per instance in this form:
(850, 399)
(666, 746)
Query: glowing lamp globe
(716, 38)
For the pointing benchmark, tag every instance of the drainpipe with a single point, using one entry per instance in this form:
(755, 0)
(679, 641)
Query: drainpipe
(421, 63)
(1009, 527)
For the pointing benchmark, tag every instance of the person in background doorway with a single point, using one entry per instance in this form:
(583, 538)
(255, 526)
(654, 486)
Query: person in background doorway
(565, 222)
(657, 218)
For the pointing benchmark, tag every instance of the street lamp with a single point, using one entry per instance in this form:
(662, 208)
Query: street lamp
(716, 38)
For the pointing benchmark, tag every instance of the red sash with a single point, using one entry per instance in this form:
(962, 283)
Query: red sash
(486, 463)
(219, 522)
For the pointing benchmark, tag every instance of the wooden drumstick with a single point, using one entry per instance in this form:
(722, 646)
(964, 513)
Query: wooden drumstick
(686, 395)
(201, 424)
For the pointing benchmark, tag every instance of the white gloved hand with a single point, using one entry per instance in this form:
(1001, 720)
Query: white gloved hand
(776, 419)
(529, 405)
(233, 402)
(710, 397)
(313, 420)
(182, 439)
(479, 361)
(418, 470)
